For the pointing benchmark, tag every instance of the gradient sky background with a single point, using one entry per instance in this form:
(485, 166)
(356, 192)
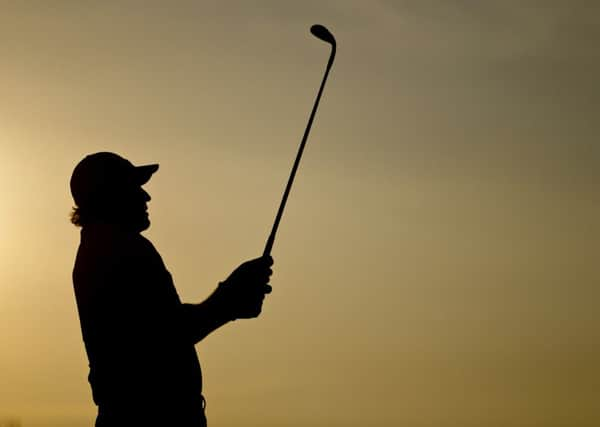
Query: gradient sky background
(437, 264)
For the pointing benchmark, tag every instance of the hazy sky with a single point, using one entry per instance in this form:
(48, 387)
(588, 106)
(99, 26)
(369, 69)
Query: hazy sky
(437, 264)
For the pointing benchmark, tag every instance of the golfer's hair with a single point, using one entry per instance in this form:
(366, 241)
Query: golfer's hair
(81, 217)
(77, 217)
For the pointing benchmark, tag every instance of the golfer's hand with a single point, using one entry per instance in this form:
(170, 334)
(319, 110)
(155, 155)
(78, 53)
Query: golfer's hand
(243, 292)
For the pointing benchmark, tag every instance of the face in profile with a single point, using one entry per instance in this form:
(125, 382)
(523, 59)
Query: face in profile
(132, 207)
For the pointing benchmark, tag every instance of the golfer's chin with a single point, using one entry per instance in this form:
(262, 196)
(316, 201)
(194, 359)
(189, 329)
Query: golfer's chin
(144, 226)
(144, 223)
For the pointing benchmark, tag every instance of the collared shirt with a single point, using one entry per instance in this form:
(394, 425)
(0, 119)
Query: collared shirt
(140, 350)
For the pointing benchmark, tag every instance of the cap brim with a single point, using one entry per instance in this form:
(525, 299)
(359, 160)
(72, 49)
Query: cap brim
(144, 173)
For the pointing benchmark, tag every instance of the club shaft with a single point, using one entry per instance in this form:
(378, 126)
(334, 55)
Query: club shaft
(271, 239)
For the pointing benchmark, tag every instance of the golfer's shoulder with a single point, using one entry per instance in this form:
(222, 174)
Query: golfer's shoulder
(141, 250)
(135, 253)
(139, 244)
(100, 255)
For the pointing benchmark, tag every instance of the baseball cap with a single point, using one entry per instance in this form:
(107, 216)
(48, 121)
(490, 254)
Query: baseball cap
(100, 174)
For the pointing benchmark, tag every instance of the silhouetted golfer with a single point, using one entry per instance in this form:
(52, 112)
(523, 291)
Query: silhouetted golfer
(139, 337)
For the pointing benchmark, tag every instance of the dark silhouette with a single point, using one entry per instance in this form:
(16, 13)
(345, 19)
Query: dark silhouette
(138, 336)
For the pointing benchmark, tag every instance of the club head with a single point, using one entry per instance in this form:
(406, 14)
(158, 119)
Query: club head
(322, 33)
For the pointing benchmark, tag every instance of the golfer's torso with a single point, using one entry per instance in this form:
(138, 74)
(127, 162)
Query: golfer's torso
(133, 327)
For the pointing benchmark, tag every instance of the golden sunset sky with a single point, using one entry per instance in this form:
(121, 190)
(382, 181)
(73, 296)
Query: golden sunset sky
(438, 261)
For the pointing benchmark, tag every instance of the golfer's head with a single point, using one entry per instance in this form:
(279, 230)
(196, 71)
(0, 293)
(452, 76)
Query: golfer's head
(107, 188)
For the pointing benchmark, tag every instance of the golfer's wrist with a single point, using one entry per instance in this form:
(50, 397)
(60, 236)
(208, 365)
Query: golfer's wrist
(220, 304)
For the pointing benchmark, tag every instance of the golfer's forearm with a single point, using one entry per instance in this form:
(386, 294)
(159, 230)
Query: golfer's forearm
(201, 319)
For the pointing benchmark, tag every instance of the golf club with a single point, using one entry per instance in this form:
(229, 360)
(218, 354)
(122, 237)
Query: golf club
(321, 33)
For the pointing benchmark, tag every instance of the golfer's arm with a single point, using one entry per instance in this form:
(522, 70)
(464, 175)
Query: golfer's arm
(201, 319)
